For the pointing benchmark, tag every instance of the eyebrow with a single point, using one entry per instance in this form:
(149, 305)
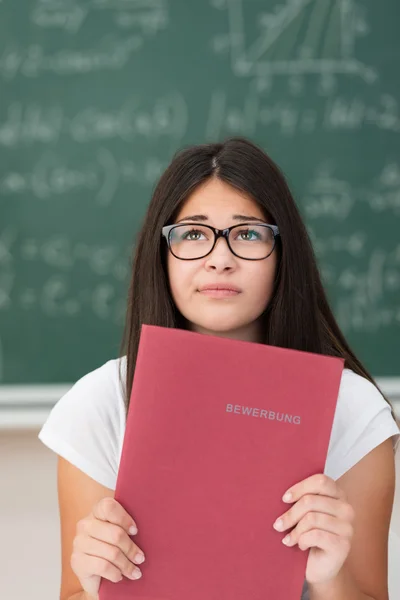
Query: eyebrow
(242, 218)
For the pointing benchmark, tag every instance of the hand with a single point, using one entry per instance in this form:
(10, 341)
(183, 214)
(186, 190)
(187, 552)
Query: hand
(102, 546)
(322, 521)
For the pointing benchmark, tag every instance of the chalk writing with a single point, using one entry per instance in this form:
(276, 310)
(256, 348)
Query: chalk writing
(289, 118)
(56, 299)
(329, 196)
(25, 124)
(99, 179)
(63, 254)
(149, 16)
(33, 61)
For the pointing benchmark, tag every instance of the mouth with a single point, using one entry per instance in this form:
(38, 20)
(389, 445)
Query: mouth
(219, 292)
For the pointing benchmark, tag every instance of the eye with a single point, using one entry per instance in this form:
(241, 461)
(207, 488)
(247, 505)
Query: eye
(249, 232)
(190, 235)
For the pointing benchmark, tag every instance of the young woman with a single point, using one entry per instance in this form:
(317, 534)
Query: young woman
(261, 283)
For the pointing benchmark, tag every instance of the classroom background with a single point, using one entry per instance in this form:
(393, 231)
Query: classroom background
(95, 98)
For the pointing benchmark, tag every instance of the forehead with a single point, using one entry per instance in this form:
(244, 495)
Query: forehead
(215, 197)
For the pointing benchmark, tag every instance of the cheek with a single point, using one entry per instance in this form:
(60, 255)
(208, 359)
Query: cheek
(180, 275)
(261, 284)
(262, 275)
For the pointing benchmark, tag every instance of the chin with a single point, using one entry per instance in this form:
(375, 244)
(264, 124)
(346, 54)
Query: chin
(218, 325)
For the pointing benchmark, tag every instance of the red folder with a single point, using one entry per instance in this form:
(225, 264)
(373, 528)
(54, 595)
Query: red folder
(217, 431)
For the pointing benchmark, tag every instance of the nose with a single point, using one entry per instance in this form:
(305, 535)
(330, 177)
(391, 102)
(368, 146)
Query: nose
(221, 258)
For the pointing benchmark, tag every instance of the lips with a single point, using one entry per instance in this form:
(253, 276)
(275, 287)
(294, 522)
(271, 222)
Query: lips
(219, 293)
(219, 290)
(220, 287)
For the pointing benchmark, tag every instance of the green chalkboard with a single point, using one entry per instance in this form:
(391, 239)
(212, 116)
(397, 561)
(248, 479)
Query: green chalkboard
(97, 95)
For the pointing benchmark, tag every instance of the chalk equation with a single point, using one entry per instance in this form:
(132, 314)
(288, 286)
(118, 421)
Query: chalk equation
(53, 293)
(365, 306)
(149, 16)
(110, 53)
(290, 118)
(332, 197)
(56, 298)
(98, 179)
(28, 123)
(64, 255)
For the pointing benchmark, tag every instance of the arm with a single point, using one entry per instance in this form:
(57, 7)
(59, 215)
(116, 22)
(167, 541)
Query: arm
(369, 487)
(77, 494)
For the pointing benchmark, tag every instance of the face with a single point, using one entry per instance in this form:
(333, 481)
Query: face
(235, 315)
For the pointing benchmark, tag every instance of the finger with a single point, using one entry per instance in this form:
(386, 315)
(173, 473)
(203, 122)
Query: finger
(316, 484)
(324, 540)
(96, 566)
(313, 502)
(112, 554)
(323, 522)
(111, 534)
(108, 509)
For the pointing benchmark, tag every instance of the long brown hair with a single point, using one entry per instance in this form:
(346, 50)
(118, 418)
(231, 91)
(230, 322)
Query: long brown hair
(298, 315)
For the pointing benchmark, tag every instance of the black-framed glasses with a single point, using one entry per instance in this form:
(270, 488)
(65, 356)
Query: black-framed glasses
(190, 241)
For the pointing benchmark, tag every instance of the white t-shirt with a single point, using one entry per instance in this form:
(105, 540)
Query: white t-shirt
(87, 425)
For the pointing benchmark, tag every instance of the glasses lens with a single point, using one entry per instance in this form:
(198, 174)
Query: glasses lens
(191, 241)
(195, 241)
(252, 241)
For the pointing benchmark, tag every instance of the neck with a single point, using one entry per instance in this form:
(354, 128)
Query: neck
(248, 333)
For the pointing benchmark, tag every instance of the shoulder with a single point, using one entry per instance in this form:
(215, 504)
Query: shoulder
(103, 387)
(99, 393)
(358, 398)
(362, 420)
(86, 425)
(107, 373)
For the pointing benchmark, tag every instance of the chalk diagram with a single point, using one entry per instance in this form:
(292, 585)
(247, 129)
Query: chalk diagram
(297, 37)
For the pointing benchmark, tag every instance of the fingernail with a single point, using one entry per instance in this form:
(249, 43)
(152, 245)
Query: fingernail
(139, 558)
(286, 540)
(278, 525)
(287, 497)
(133, 530)
(136, 574)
